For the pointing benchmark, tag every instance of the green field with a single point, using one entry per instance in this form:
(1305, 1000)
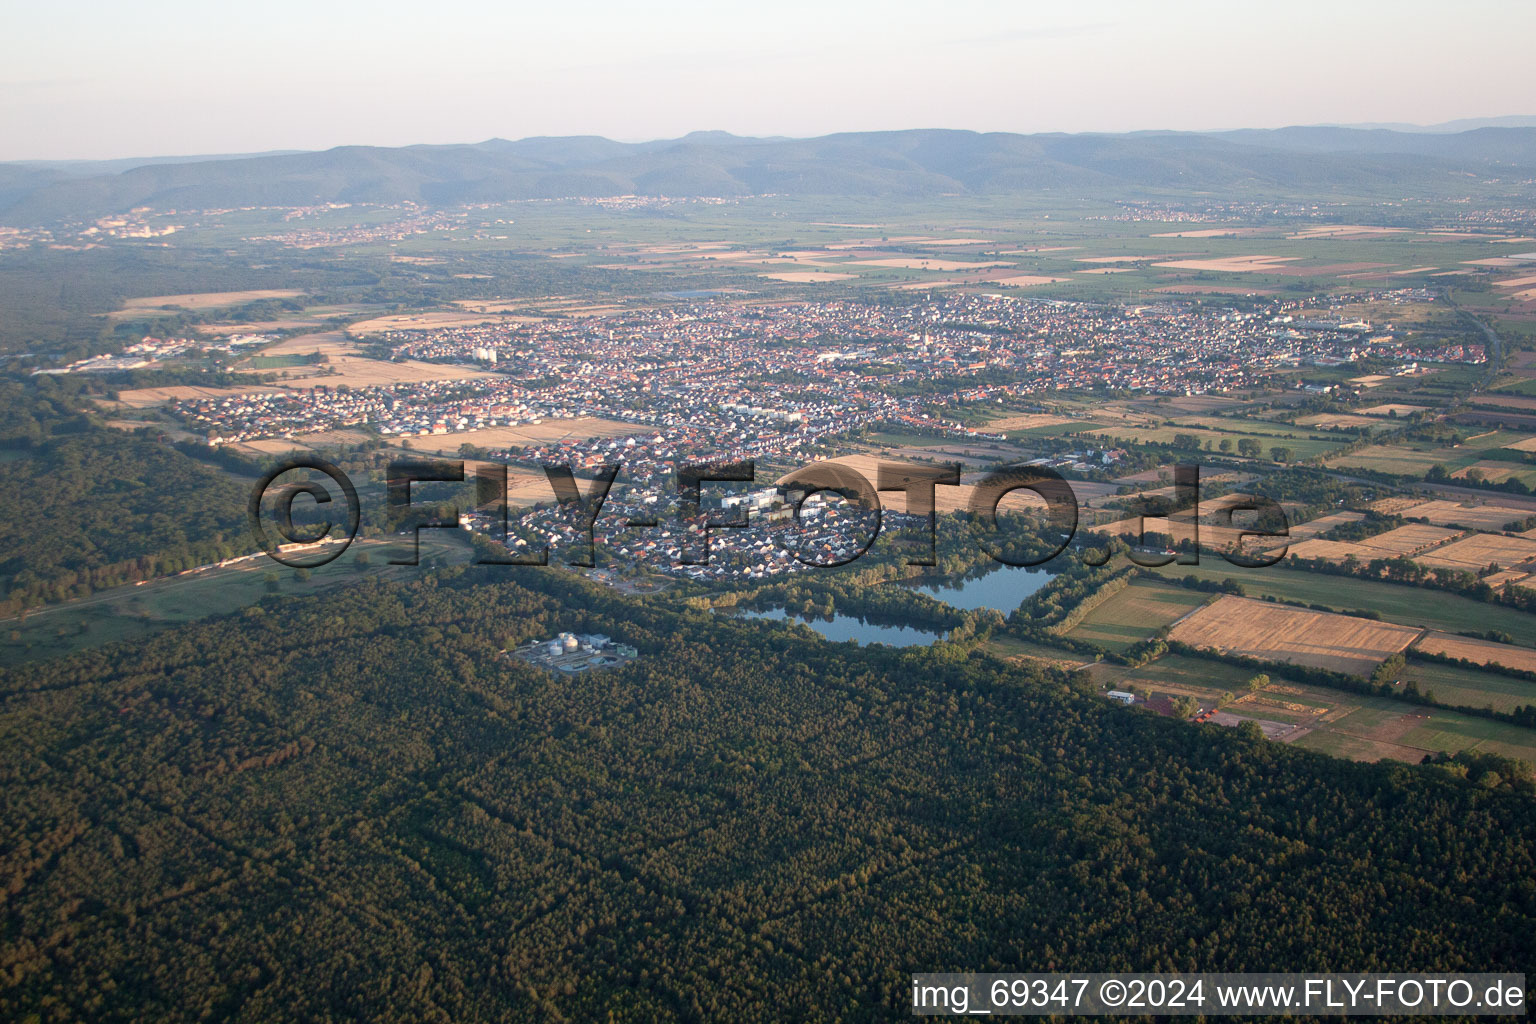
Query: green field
(1410, 606)
(1302, 445)
(1011, 647)
(280, 362)
(1416, 460)
(1134, 614)
(1053, 430)
(1372, 728)
(133, 612)
(1205, 678)
(1519, 386)
(1383, 728)
(1286, 432)
(1471, 688)
(1344, 724)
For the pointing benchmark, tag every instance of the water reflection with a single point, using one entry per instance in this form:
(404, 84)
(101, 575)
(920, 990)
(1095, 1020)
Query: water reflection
(1003, 588)
(849, 627)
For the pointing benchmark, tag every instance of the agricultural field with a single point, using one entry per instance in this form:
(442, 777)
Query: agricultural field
(1009, 648)
(1470, 688)
(1404, 541)
(1202, 678)
(1302, 443)
(1477, 551)
(1417, 459)
(132, 612)
(1135, 613)
(1476, 515)
(1343, 724)
(1276, 632)
(146, 398)
(202, 300)
(1322, 524)
(1481, 652)
(1213, 539)
(418, 322)
(1395, 602)
(342, 365)
(1379, 728)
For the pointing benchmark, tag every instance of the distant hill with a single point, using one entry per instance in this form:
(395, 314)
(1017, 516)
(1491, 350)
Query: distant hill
(1464, 124)
(901, 163)
(91, 168)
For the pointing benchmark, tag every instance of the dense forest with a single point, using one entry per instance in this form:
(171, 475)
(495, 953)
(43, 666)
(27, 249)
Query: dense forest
(355, 807)
(86, 506)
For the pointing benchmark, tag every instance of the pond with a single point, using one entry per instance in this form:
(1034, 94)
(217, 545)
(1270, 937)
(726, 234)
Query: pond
(1004, 588)
(849, 627)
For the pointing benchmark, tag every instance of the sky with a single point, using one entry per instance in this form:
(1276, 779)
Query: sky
(87, 79)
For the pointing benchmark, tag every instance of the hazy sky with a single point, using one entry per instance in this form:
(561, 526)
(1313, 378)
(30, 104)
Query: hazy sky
(81, 79)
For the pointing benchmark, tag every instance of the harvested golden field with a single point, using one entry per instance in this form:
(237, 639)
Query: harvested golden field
(1231, 264)
(417, 322)
(1403, 541)
(357, 372)
(344, 366)
(1335, 420)
(1344, 231)
(1408, 540)
(205, 300)
(1212, 538)
(1395, 506)
(1027, 420)
(1277, 632)
(1476, 516)
(525, 486)
(1026, 280)
(807, 277)
(1389, 409)
(1491, 470)
(1322, 524)
(919, 263)
(270, 446)
(143, 398)
(1333, 550)
(581, 428)
(1508, 576)
(1479, 652)
(331, 438)
(1480, 550)
(1214, 233)
(326, 343)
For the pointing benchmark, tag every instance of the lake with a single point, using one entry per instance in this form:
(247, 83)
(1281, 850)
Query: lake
(1004, 588)
(849, 627)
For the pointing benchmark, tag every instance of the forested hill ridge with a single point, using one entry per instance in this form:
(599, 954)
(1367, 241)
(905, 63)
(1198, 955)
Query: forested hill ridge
(354, 807)
(893, 163)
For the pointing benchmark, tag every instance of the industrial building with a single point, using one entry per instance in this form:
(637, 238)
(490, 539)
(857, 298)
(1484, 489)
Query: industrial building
(571, 653)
